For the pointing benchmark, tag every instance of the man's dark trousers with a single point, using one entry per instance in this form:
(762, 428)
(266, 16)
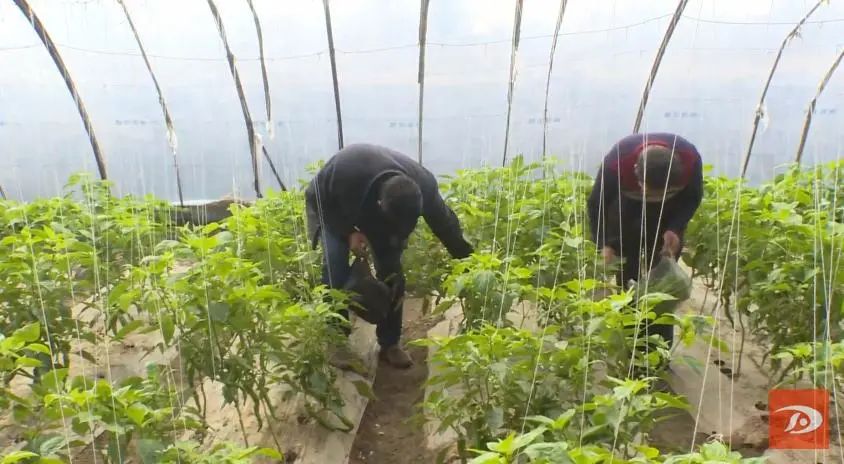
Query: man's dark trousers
(336, 271)
(636, 242)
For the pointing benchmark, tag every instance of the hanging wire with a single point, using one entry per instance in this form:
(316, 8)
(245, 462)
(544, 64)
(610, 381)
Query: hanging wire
(669, 32)
(560, 14)
(423, 32)
(316, 54)
(330, 34)
(811, 110)
(42, 33)
(250, 128)
(760, 111)
(168, 120)
(517, 30)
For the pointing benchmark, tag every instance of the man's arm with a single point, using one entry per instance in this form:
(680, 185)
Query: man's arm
(687, 200)
(445, 225)
(604, 193)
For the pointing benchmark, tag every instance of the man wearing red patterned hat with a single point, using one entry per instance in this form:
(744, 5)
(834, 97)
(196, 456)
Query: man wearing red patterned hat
(646, 192)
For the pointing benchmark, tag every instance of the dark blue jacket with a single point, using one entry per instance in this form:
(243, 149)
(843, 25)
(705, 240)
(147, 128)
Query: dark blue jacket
(343, 194)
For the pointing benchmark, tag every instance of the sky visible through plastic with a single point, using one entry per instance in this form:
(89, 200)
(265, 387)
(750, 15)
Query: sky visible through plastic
(707, 88)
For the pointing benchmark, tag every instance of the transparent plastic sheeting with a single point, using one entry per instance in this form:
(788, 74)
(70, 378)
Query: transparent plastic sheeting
(707, 88)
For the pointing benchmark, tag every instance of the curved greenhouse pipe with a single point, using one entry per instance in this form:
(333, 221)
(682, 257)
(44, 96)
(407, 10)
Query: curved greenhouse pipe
(669, 32)
(560, 15)
(38, 26)
(811, 110)
(168, 120)
(517, 33)
(250, 127)
(759, 111)
(267, 100)
(260, 33)
(273, 169)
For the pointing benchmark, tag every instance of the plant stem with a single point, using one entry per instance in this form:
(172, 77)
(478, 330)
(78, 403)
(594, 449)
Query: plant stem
(240, 419)
(741, 345)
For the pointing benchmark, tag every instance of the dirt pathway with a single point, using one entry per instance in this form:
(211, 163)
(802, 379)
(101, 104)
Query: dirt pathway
(386, 436)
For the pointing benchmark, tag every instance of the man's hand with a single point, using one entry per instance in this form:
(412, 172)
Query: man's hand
(671, 244)
(608, 253)
(358, 243)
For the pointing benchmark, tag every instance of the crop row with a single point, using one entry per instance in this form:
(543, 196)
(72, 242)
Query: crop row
(239, 301)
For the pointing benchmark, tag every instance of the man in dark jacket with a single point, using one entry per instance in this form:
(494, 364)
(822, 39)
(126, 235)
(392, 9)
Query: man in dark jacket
(646, 192)
(371, 196)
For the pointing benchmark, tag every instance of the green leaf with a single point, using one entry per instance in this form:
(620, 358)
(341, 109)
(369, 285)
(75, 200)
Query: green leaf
(672, 400)
(17, 456)
(54, 380)
(30, 333)
(150, 450)
(137, 413)
(219, 311)
(52, 445)
(528, 438)
(488, 458)
(27, 362)
(39, 348)
(364, 389)
(128, 329)
(270, 453)
(49, 460)
(168, 328)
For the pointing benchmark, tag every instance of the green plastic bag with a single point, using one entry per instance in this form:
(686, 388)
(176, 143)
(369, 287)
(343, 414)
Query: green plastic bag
(669, 278)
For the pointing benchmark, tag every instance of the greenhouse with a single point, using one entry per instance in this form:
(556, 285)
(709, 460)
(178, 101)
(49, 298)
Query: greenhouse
(416, 231)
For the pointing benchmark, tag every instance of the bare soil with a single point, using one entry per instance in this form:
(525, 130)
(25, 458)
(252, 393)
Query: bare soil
(387, 435)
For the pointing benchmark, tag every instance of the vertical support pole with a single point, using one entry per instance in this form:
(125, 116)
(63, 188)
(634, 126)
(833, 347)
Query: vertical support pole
(759, 107)
(560, 14)
(423, 33)
(678, 13)
(330, 34)
(250, 128)
(517, 32)
(168, 120)
(71, 86)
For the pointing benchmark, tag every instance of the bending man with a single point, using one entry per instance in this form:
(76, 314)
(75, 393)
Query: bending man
(646, 192)
(371, 196)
